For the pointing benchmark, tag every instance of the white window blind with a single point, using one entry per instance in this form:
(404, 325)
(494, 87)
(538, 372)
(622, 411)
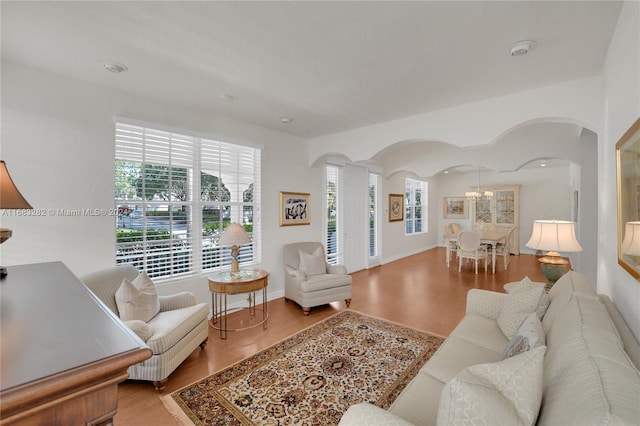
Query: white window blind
(374, 188)
(416, 206)
(176, 193)
(334, 219)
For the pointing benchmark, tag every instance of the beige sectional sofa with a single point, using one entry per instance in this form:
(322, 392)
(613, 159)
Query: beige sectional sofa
(588, 375)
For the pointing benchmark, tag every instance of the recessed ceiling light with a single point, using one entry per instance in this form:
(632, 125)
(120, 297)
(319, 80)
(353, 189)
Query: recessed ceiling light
(286, 120)
(114, 67)
(227, 97)
(446, 172)
(521, 48)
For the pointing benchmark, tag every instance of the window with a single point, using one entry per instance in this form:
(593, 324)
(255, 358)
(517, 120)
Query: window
(176, 193)
(416, 196)
(333, 200)
(374, 187)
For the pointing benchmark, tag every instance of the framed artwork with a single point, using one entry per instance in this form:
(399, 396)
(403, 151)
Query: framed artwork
(455, 208)
(396, 207)
(628, 192)
(295, 208)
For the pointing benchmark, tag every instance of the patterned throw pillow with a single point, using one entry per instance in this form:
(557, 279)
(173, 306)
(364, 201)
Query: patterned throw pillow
(517, 306)
(313, 264)
(530, 335)
(137, 299)
(527, 284)
(508, 392)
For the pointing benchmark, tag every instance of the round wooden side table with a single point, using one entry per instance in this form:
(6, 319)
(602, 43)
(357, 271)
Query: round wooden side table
(224, 283)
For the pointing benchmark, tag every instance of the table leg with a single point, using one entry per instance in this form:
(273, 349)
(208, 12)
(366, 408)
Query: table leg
(493, 256)
(264, 308)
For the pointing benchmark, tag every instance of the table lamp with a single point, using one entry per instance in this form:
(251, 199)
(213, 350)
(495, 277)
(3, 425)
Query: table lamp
(233, 236)
(10, 198)
(631, 241)
(553, 236)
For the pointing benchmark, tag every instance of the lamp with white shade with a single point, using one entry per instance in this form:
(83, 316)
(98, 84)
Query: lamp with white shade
(631, 241)
(553, 236)
(10, 198)
(234, 236)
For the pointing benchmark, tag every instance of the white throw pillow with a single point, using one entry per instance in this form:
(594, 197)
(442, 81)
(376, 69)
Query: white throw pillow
(527, 284)
(138, 300)
(313, 264)
(517, 307)
(508, 392)
(529, 336)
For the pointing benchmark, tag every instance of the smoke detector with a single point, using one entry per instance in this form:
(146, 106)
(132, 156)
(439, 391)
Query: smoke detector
(521, 48)
(114, 67)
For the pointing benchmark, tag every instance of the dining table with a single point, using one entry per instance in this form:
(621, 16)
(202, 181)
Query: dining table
(492, 237)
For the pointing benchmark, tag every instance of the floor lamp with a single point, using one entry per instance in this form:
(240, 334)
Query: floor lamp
(553, 236)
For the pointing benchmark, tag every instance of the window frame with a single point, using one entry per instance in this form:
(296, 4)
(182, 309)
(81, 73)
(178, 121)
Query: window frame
(237, 165)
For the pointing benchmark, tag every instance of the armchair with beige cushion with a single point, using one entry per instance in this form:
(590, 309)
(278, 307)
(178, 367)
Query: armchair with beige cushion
(309, 280)
(172, 326)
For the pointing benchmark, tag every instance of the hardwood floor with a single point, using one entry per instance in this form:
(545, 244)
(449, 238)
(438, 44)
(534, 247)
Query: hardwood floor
(418, 291)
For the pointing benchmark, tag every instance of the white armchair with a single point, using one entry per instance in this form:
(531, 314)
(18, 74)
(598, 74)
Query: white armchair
(309, 280)
(172, 334)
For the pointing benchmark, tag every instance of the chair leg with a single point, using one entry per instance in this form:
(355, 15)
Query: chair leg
(348, 302)
(476, 265)
(204, 343)
(459, 264)
(160, 384)
(306, 311)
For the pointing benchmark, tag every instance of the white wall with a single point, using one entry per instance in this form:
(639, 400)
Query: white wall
(58, 142)
(545, 193)
(621, 103)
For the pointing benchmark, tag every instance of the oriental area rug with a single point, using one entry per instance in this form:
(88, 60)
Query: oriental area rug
(312, 377)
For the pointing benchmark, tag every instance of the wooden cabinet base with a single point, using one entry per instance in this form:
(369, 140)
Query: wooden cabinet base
(66, 369)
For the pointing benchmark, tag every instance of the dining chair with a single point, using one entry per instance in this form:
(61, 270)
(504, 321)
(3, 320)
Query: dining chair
(450, 240)
(470, 247)
(504, 248)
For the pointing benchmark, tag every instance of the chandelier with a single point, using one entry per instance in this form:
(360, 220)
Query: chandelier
(478, 193)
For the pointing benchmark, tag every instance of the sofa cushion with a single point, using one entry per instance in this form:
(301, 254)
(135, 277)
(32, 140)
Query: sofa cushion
(483, 332)
(168, 327)
(137, 299)
(323, 282)
(585, 357)
(530, 335)
(518, 305)
(314, 263)
(418, 402)
(560, 293)
(505, 392)
(456, 354)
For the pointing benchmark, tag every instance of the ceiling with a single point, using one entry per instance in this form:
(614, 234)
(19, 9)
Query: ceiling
(330, 66)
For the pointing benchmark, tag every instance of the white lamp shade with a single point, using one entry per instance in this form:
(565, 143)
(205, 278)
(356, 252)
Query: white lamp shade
(10, 197)
(554, 235)
(631, 241)
(234, 235)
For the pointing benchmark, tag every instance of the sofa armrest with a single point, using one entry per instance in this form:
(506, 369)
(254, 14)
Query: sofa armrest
(294, 273)
(485, 303)
(176, 301)
(337, 269)
(141, 329)
(365, 414)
